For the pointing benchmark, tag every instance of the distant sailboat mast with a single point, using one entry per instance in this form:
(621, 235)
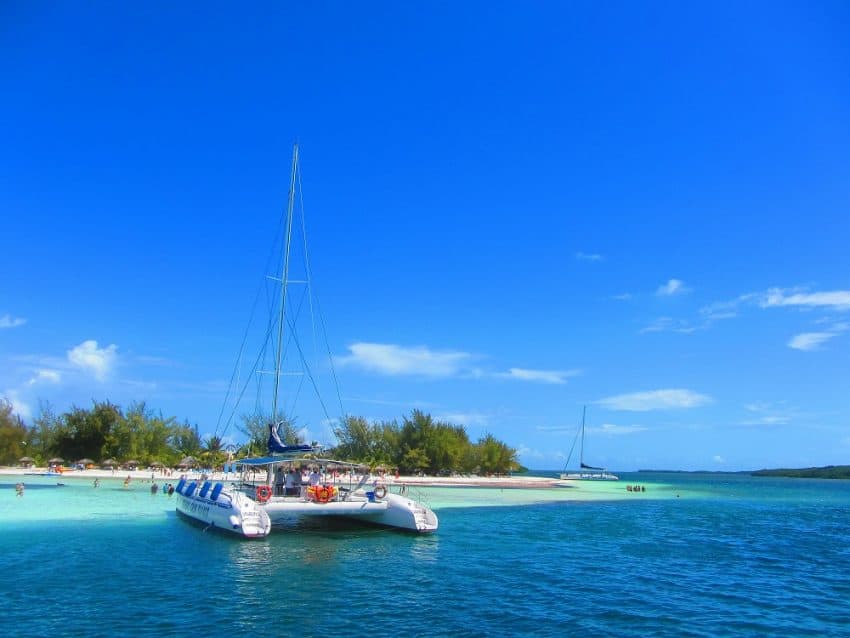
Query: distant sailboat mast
(284, 280)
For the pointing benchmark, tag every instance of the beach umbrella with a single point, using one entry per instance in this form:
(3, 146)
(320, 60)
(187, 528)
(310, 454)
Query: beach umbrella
(157, 464)
(109, 463)
(188, 461)
(25, 459)
(56, 460)
(85, 461)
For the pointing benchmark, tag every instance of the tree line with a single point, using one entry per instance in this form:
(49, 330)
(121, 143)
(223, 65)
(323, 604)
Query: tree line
(107, 432)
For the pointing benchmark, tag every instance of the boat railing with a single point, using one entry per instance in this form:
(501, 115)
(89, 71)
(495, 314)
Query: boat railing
(413, 492)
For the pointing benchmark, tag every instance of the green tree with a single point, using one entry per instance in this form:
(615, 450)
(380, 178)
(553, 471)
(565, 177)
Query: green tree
(494, 457)
(41, 437)
(186, 441)
(13, 434)
(213, 453)
(84, 433)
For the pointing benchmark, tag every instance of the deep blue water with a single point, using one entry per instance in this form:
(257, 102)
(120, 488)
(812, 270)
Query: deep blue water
(732, 556)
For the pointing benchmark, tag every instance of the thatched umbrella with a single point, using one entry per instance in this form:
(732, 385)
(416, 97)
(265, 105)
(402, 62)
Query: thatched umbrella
(85, 462)
(56, 460)
(26, 461)
(109, 463)
(188, 461)
(157, 464)
(131, 464)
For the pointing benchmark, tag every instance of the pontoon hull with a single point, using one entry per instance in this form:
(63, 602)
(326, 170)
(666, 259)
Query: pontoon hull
(230, 512)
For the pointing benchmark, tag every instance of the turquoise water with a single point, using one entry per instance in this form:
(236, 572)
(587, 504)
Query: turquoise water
(693, 556)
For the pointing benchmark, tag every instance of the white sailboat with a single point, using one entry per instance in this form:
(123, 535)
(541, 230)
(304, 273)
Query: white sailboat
(253, 505)
(585, 472)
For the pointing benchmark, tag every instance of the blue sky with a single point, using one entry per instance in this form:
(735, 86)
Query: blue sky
(512, 211)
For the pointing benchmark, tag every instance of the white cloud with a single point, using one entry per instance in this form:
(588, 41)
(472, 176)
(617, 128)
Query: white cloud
(765, 413)
(464, 418)
(542, 376)
(671, 288)
(668, 324)
(810, 340)
(98, 361)
(19, 406)
(778, 297)
(718, 459)
(768, 419)
(589, 257)
(394, 360)
(667, 399)
(622, 297)
(50, 376)
(390, 359)
(8, 321)
(616, 430)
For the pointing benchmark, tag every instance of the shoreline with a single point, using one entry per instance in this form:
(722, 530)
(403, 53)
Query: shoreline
(516, 482)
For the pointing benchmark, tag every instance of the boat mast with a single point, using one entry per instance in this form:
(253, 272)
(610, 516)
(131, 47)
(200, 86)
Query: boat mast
(581, 450)
(284, 279)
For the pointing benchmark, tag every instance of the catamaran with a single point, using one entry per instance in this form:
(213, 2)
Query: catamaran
(586, 472)
(262, 497)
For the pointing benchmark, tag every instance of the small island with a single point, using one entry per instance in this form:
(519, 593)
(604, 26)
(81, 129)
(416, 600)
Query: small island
(827, 472)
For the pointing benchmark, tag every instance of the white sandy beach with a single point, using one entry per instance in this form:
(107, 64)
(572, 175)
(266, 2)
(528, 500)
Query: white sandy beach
(528, 482)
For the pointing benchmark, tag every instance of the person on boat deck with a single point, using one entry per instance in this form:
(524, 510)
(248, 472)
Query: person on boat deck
(278, 481)
(315, 477)
(290, 482)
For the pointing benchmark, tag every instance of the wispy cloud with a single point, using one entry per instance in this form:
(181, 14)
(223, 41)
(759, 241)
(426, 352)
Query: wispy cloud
(540, 376)
(589, 257)
(8, 321)
(718, 459)
(19, 406)
(50, 376)
(464, 418)
(393, 360)
(671, 288)
(612, 429)
(767, 414)
(668, 324)
(810, 340)
(667, 399)
(97, 361)
(778, 297)
(622, 297)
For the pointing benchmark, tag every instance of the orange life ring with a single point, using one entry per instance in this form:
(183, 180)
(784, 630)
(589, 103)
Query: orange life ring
(264, 493)
(380, 491)
(323, 494)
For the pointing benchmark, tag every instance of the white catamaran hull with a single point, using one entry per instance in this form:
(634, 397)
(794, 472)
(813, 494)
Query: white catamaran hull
(391, 511)
(223, 509)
